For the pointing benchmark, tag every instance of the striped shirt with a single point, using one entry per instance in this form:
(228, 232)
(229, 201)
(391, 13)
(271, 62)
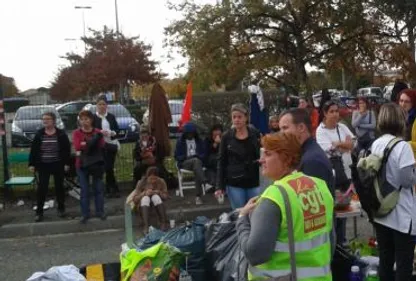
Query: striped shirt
(49, 149)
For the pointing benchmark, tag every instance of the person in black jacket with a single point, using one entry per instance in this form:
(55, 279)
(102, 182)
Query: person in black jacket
(107, 123)
(50, 155)
(238, 166)
(212, 149)
(190, 154)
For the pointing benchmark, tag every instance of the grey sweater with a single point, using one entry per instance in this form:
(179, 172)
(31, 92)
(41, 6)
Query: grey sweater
(257, 234)
(364, 123)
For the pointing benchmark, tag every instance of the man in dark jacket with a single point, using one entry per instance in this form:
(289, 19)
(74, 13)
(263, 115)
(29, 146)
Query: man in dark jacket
(314, 161)
(189, 154)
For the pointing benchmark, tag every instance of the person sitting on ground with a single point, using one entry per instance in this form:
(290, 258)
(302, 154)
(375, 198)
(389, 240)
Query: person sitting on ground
(144, 153)
(189, 154)
(274, 124)
(212, 149)
(151, 189)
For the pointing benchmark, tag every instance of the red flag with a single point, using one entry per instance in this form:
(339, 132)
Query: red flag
(187, 108)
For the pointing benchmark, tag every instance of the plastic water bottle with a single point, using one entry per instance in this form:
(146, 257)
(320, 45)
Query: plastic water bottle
(355, 274)
(372, 275)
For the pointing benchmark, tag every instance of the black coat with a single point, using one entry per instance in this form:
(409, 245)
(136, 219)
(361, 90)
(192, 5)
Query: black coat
(111, 119)
(64, 148)
(232, 157)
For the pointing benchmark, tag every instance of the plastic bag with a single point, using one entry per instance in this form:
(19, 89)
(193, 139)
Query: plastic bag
(158, 263)
(189, 239)
(58, 273)
(224, 256)
(151, 239)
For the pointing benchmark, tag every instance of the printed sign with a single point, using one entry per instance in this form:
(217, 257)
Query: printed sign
(312, 202)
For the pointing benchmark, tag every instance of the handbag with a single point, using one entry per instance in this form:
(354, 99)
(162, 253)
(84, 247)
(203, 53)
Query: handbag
(293, 275)
(341, 180)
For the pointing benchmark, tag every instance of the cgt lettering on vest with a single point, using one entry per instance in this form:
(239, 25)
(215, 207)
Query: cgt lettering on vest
(312, 202)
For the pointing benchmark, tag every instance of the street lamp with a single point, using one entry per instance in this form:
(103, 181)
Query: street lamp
(83, 15)
(115, 3)
(83, 8)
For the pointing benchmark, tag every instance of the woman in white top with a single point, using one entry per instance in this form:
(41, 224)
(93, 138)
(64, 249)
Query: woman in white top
(396, 231)
(337, 141)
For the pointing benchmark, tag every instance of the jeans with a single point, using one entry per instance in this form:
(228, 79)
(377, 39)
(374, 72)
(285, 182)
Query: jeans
(110, 179)
(98, 189)
(45, 171)
(195, 165)
(394, 246)
(239, 196)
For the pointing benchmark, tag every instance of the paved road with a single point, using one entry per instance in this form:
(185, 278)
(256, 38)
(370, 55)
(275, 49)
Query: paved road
(19, 258)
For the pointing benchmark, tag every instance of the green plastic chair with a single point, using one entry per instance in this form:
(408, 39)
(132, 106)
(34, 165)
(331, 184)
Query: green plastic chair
(18, 181)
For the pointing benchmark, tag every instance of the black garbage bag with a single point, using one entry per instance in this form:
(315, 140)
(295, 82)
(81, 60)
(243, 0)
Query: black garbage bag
(190, 239)
(342, 262)
(225, 260)
(151, 239)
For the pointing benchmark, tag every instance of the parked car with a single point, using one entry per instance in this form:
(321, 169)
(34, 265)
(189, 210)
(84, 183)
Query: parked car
(176, 108)
(129, 127)
(28, 120)
(69, 113)
(370, 91)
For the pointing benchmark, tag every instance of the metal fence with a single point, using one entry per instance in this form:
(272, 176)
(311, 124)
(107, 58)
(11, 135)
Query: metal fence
(24, 119)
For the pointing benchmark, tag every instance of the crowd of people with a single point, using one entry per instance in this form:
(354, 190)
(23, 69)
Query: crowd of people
(307, 156)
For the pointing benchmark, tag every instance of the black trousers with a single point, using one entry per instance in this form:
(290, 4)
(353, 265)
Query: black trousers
(110, 179)
(44, 172)
(395, 246)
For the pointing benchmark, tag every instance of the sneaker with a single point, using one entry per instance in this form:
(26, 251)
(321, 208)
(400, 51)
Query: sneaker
(103, 217)
(38, 218)
(84, 220)
(198, 201)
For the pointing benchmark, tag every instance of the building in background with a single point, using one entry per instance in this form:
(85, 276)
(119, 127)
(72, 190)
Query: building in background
(37, 96)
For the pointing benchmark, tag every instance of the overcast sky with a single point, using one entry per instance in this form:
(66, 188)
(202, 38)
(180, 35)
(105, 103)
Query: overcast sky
(33, 33)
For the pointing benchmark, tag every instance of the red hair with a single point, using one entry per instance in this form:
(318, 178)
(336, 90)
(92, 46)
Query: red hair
(411, 93)
(286, 145)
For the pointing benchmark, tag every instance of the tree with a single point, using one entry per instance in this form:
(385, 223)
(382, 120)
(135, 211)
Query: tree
(8, 85)
(273, 39)
(397, 33)
(112, 61)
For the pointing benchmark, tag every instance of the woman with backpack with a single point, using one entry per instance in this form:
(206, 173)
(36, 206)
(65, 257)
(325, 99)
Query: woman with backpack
(396, 231)
(364, 123)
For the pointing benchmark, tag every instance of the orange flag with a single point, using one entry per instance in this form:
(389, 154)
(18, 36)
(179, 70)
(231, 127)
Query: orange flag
(187, 108)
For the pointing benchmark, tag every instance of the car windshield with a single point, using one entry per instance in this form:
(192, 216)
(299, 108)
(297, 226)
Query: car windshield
(34, 112)
(117, 109)
(175, 108)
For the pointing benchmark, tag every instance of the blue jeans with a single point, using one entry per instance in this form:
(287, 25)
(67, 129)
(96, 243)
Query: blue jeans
(239, 196)
(98, 188)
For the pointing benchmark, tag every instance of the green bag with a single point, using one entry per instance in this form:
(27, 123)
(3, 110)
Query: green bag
(158, 263)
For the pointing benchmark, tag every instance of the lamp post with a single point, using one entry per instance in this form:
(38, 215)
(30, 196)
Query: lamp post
(116, 10)
(83, 8)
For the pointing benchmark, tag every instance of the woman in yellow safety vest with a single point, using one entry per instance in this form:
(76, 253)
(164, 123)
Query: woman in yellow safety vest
(262, 224)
